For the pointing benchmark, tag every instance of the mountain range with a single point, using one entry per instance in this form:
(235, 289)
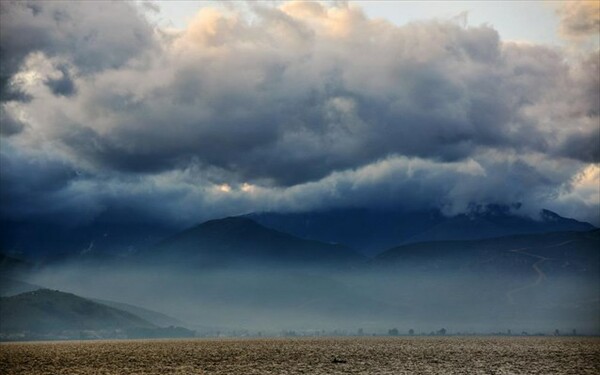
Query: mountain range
(560, 252)
(373, 231)
(267, 270)
(366, 231)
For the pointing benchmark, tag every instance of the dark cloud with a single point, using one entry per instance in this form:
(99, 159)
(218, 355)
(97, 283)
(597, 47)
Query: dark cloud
(583, 146)
(64, 85)
(93, 35)
(430, 90)
(8, 124)
(292, 107)
(9, 91)
(33, 185)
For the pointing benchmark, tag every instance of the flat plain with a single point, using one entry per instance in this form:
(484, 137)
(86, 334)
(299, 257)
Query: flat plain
(356, 355)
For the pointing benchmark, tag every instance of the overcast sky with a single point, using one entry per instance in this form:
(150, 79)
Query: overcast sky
(182, 111)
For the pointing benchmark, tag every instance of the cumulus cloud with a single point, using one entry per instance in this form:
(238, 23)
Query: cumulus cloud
(94, 35)
(294, 106)
(580, 19)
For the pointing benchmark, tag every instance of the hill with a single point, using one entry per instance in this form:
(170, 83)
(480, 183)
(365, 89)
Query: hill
(372, 231)
(154, 317)
(11, 287)
(560, 252)
(240, 240)
(51, 314)
(10, 265)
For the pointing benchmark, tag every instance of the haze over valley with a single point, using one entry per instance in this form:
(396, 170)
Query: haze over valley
(234, 276)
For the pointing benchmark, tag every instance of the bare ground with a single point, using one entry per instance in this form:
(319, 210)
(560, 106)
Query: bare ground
(419, 355)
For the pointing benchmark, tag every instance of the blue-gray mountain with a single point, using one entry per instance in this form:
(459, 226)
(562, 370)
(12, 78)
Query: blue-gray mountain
(557, 253)
(51, 314)
(366, 231)
(49, 240)
(373, 231)
(242, 241)
(237, 273)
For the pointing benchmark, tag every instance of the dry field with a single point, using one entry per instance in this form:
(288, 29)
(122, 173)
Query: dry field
(436, 355)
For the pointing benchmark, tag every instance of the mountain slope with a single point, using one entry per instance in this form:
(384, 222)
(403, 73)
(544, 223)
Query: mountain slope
(239, 240)
(561, 252)
(47, 240)
(45, 311)
(154, 317)
(372, 231)
(11, 287)
(10, 265)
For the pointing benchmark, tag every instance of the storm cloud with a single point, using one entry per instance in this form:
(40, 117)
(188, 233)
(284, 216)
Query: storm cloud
(288, 107)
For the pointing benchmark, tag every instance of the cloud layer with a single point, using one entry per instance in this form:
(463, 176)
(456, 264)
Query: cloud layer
(299, 106)
(580, 19)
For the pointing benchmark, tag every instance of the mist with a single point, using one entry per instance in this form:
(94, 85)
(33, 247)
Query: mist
(317, 300)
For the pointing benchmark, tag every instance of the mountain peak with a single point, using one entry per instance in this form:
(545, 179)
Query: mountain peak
(234, 220)
(230, 222)
(242, 240)
(548, 215)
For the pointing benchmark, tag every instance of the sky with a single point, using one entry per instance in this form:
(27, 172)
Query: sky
(180, 111)
(512, 19)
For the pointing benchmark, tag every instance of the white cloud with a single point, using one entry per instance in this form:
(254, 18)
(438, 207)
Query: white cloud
(293, 107)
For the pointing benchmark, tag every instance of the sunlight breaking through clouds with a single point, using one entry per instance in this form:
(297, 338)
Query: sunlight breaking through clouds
(289, 107)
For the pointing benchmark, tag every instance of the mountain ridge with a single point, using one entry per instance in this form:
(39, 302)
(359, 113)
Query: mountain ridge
(48, 311)
(373, 231)
(53, 314)
(570, 251)
(239, 238)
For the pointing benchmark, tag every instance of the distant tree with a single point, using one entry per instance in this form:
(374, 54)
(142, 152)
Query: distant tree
(442, 331)
(289, 333)
(508, 332)
(524, 333)
(411, 331)
(393, 332)
(556, 332)
(574, 332)
(360, 332)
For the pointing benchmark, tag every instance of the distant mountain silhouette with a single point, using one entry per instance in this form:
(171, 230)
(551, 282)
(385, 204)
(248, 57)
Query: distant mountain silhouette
(11, 286)
(10, 266)
(367, 231)
(372, 231)
(154, 317)
(496, 222)
(51, 314)
(565, 253)
(50, 241)
(47, 311)
(240, 240)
